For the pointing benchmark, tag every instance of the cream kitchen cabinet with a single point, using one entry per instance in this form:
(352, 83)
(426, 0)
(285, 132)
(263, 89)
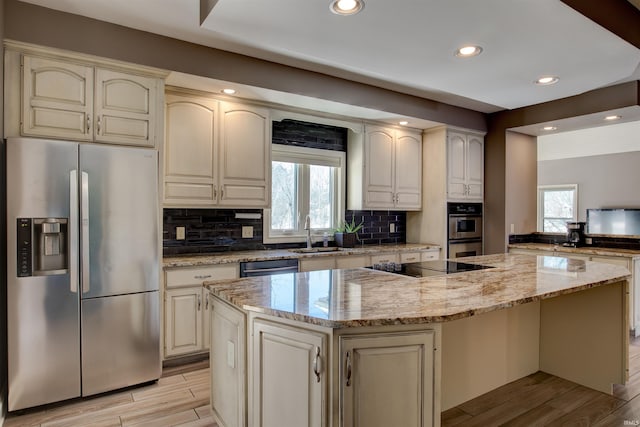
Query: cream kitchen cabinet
(465, 166)
(318, 263)
(190, 150)
(216, 153)
(186, 308)
(288, 371)
(228, 367)
(66, 98)
(387, 379)
(385, 169)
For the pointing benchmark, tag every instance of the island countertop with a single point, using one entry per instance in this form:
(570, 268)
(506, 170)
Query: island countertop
(364, 297)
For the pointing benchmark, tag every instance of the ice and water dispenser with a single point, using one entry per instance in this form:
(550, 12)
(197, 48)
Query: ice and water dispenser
(42, 246)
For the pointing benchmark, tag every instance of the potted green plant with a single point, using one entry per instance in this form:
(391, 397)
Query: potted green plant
(346, 234)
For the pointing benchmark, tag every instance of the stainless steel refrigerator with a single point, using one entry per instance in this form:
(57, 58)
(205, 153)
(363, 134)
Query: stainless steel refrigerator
(83, 269)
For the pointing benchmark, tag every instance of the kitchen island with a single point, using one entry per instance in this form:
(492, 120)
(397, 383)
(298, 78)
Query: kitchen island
(371, 348)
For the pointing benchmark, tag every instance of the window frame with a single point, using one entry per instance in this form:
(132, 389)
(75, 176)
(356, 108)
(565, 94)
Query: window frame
(555, 187)
(307, 156)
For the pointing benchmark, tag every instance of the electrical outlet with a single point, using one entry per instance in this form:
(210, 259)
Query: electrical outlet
(247, 232)
(392, 228)
(180, 233)
(588, 240)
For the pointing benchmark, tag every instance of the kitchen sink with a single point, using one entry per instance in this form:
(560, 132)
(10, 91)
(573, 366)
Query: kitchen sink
(314, 250)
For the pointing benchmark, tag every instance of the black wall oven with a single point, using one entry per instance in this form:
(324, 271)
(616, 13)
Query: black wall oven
(464, 229)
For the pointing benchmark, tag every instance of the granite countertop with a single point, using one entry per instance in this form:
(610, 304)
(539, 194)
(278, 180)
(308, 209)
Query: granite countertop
(245, 256)
(585, 250)
(364, 297)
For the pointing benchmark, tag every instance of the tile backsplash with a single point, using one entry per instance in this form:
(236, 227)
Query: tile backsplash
(209, 230)
(218, 230)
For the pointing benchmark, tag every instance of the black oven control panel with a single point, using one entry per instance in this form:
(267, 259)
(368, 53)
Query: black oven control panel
(464, 208)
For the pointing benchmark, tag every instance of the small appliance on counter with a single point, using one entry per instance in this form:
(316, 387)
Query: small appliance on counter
(575, 234)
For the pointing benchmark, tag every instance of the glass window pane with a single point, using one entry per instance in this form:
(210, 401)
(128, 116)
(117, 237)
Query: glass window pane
(558, 204)
(283, 196)
(321, 196)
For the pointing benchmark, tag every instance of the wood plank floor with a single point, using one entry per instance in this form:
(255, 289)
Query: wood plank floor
(181, 398)
(545, 400)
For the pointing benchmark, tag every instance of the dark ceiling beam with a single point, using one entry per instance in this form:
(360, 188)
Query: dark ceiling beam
(618, 16)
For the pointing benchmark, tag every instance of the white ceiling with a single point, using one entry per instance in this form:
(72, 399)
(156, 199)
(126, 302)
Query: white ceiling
(404, 45)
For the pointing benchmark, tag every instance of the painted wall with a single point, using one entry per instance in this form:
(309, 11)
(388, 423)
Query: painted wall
(521, 183)
(604, 181)
(603, 162)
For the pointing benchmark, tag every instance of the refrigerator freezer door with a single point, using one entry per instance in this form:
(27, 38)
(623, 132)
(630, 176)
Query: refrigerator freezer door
(120, 341)
(121, 224)
(43, 328)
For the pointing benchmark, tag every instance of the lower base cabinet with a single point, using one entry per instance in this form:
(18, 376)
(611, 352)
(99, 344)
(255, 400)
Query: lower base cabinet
(186, 319)
(288, 376)
(387, 379)
(270, 372)
(227, 361)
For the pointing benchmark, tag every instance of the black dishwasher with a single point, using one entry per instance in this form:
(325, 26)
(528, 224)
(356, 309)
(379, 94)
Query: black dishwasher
(268, 268)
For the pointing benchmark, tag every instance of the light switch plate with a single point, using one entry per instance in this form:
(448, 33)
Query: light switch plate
(180, 233)
(247, 232)
(392, 228)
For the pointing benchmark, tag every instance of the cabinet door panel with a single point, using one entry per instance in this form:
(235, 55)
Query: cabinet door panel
(183, 320)
(124, 108)
(475, 159)
(391, 379)
(286, 391)
(57, 99)
(227, 360)
(408, 170)
(456, 160)
(190, 155)
(379, 167)
(245, 155)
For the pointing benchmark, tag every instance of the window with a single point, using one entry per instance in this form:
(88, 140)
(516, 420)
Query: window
(557, 204)
(304, 181)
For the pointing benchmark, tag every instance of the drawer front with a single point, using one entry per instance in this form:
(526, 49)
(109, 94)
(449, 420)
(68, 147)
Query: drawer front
(380, 259)
(410, 257)
(429, 255)
(323, 263)
(352, 261)
(196, 276)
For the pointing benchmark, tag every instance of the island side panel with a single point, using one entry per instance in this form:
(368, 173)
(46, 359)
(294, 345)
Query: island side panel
(481, 353)
(584, 336)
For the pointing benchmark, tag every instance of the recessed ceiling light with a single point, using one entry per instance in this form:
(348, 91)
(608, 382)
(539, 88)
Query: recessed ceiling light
(346, 7)
(549, 128)
(468, 51)
(547, 80)
(228, 91)
(613, 117)
(403, 123)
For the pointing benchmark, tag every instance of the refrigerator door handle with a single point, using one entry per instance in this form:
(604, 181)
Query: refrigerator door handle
(73, 230)
(85, 232)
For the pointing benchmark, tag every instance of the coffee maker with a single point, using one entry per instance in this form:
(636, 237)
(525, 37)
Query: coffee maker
(575, 234)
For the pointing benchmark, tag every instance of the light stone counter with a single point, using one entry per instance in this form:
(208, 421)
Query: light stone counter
(275, 254)
(585, 250)
(364, 297)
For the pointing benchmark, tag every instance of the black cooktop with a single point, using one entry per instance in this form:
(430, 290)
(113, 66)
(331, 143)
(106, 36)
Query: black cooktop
(431, 268)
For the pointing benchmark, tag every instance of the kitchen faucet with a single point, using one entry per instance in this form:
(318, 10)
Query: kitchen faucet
(307, 226)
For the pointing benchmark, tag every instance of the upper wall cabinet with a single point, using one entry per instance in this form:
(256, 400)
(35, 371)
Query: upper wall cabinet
(66, 98)
(385, 169)
(216, 153)
(465, 166)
